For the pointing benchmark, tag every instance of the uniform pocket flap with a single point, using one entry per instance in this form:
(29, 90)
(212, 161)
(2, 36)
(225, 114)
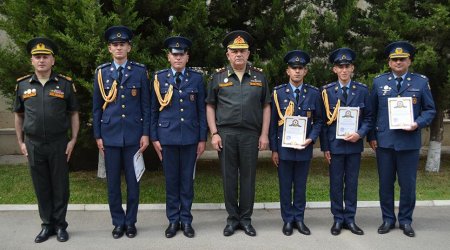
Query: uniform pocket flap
(163, 124)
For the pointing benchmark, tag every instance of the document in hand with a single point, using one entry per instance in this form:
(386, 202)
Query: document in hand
(139, 165)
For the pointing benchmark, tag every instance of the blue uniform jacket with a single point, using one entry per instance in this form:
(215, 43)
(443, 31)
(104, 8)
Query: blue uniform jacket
(127, 119)
(310, 106)
(415, 86)
(183, 121)
(358, 96)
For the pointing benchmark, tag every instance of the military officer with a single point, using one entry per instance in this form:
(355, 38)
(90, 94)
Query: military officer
(178, 131)
(45, 108)
(398, 149)
(238, 113)
(121, 112)
(295, 98)
(344, 155)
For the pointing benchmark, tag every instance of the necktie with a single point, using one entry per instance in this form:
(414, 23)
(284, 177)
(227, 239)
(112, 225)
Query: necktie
(297, 95)
(177, 78)
(120, 74)
(344, 92)
(399, 83)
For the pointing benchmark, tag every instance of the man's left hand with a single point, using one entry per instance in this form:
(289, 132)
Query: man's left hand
(69, 148)
(144, 143)
(353, 137)
(413, 127)
(263, 142)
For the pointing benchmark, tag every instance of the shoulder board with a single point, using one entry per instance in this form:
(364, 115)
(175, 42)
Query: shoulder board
(23, 78)
(220, 70)
(280, 86)
(311, 87)
(384, 74)
(360, 84)
(197, 70)
(104, 65)
(65, 77)
(161, 71)
(256, 69)
(419, 75)
(329, 85)
(138, 64)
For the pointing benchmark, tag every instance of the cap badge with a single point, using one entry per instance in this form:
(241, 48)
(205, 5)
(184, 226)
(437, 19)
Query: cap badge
(239, 40)
(119, 34)
(343, 57)
(177, 45)
(297, 59)
(398, 50)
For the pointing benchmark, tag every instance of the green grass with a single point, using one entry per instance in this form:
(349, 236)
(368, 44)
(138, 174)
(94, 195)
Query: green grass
(85, 187)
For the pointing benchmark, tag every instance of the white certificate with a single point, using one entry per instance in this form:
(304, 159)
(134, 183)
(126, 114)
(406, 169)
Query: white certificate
(400, 112)
(139, 166)
(294, 132)
(347, 121)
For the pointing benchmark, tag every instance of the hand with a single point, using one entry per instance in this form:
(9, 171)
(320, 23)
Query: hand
(158, 149)
(327, 156)
(69, 148)
(200, 148)
(353, 137)
(144, 143)
(100, 146)
(275, 158)
(373, 144)
(306, 143)
(263, 142)
(216, 142)
(23, 148)
(413, 127)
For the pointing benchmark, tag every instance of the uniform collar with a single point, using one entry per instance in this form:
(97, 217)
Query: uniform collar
(348, 84)
(402, 76)
(230, 70)
(118, 65)
(174, 71)
(53, 77)
(294, 88)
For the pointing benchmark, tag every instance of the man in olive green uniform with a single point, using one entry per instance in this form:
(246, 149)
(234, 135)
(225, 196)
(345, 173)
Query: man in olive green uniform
(238, 114)
(45, 108)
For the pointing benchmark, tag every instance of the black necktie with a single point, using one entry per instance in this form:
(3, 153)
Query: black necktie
(399, 83)
(297, 95)
(120, 74)
(344, 93)
(177, 78)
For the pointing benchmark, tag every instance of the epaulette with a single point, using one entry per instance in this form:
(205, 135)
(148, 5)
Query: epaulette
(138, 64)
(197, 70)
(23, 78)
(420, 75)
(65, 77)
(161, 71)
(220, 70)
(256, 69)
(387, 73)
(279, 86)
(361, 84)
(103, 65)
(329, 85)
(312, 87)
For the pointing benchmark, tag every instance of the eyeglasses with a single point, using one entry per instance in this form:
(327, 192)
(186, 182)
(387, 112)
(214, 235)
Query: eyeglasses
(398, 59)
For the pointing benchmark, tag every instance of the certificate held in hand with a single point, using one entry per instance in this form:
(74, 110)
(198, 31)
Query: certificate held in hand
(139, 165)
(294, 132)
(347, 121)
(400, 112)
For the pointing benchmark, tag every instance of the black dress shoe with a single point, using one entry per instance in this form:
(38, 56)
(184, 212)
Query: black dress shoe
(302, 228)
(288, 227)
(172, 229)
(228, 230)
(249, 230)
(385, 227)
(118, 232)
(407, 230)
(353, 228)
(131, 231)
(62, 235)
(44, 234)
(336, 228)
(188, 230)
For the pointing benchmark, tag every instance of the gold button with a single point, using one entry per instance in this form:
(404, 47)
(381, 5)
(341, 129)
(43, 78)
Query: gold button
(123, 106)
(123, 96)
(123, 116)
(181, 110)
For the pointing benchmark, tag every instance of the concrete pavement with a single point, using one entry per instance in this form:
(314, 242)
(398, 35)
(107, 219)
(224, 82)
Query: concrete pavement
(92, 230)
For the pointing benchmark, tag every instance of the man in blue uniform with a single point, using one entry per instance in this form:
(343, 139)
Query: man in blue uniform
(238, 113)
(398, 149)
(344, 155)
(295, 98)
(178, 131)
(121, 112)
(45, 108)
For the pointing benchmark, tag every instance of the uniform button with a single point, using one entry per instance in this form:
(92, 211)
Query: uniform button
(181, 100)
(123, 116)
(123, 106)
(181, 91)
(121, 86)
(159, 124)
(182, 119)
(101, 120)
(123, 96)
(181, 110)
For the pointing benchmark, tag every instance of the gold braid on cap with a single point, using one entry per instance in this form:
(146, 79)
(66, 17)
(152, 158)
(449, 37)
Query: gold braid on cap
(163, 102)
(112, 93)
(331, 116)
(289, 110)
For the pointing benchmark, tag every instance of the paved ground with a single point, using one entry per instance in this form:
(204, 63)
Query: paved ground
(92, 230)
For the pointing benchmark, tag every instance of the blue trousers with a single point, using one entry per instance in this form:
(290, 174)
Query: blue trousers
(293, 175)
(344, 171)
(116, 160)
(402, 164)
(179, 163)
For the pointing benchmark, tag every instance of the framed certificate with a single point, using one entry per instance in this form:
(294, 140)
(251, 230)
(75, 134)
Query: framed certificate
(347, 121)
(400, 111)
(294, 132)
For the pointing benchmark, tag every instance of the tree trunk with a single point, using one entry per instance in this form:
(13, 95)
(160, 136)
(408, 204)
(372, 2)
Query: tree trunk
(436, 134)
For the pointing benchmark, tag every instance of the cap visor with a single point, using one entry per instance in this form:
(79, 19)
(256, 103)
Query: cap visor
(238, 46)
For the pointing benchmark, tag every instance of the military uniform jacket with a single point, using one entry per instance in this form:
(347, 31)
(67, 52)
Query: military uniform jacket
(46, 108)
(309, 106)
(358, 96)
(183, 121)
(415, 86)
(127, 118)
(239, 104)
